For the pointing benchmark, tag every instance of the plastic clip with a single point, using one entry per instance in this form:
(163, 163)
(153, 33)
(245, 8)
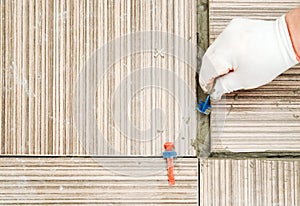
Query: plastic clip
(204, 107)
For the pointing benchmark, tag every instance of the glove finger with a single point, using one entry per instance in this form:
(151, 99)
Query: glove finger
(218, 90)
(211, 68)
(225, 84)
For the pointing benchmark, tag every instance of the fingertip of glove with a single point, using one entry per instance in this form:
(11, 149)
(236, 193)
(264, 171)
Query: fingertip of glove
(216, 96)
(218, 90)
(203, 84)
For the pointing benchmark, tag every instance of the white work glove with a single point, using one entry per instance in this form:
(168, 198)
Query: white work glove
(247, 54)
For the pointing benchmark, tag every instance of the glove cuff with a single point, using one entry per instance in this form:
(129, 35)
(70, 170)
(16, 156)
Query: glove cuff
(285, 35)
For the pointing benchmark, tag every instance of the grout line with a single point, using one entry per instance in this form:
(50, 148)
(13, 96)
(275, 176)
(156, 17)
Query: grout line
(199, 185)
(87, 156)
(202, 141)
(256, 155)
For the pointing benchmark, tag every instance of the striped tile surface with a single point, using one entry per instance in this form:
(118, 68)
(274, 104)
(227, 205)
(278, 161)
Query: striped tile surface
(264, 119)
(46, 47)
(97, 181)
(249, 182)
(222, 11)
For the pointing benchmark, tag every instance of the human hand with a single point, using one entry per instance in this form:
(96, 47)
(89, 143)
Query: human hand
(247, 54)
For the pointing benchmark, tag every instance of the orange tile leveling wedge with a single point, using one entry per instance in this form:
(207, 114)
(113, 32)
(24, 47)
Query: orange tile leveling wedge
(169, 154)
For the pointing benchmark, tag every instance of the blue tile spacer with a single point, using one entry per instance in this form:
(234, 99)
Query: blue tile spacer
(169, 154)
(204, 107)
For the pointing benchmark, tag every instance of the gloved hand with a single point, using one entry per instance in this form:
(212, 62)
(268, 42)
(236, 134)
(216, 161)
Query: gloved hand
(247, 54)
